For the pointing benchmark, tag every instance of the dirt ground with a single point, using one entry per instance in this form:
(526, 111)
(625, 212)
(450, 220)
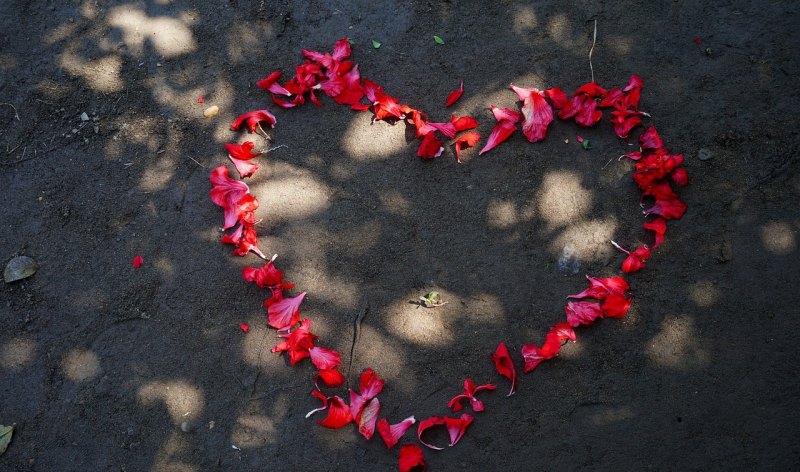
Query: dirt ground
(105, 367)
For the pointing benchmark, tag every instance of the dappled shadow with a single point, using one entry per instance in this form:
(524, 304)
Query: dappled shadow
(110, 366)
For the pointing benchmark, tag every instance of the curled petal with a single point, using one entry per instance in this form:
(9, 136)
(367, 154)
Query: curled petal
(370, 385)
(563, 331)
(338, 414)
(658, 226)
(616, 305)
(242, 151)
(467, 140)
(322, 398)
(265, 276)
(245, 168)
(270, 83)
(431, 146)
(252, 119)
(505, 366)
(463, 123)
(535, 355)
(426, 424)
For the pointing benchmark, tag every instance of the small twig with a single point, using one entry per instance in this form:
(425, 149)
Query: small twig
(45, 101)
(276, 389)
(16, 115)
(263, 133)
(15, 148)
(276, 147)
(594, 40)
(201, 165)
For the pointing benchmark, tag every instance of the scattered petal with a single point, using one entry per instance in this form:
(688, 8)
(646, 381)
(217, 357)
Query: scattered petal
(200, 99)
(469, 394)
(285, 313)
(431, 147)
(454, 95)
(338, 413)
(467, 140)
(366, 420)
(411, 459)
(252, 120)
(324, 358)
(245, 327)
(426, 424)
(330, 377)
(137, 262)
(456, 427)
(391, 434)
(505, 366)
(583, 313)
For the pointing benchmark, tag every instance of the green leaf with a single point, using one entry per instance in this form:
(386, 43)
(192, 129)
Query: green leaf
(376, 44)
(709, 51)
(438, 39)
(5, 437)
(350, 41)
(585, 144)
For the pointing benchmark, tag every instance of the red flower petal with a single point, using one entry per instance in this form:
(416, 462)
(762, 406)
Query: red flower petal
(338, 414)
(411, 459)
(469, 394)
(330, 377)
(636, 260)
(650, 139)
(245, 168)
(265, 276)
(616, 305)
(366, 420)
(370, 385)
(667, 209)
(659, 227)
(252, 119)
(296, 101)
(324, 358)
(463, 123)
(680, 177)
(271, 84)
(500, 133)
(227, 193)
(138, 261)
(285, 313)
(557, 96)
(391, 434)
(199, 99)
(426, 424)
(431, 146)
(563, 331)
(505, 366)
(456, 427)
(455, 95)
(245, 327)
(698, 41)
(534, 355)
(537, 113)
(582, 313)
(242, 151)
(466, 140)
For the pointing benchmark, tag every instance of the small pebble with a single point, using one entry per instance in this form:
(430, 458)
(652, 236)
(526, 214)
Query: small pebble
(211, 111)
(704, 154)
(84, 117)
(187, 427)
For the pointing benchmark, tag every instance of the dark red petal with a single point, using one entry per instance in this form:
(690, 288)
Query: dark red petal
(455, 95)
(366, 420)
(533, 356)
(265, 276)
(285, 313)
(592, 90)
(324, 358)
(391, 434)
(650, 139)
(431, 146)
(616, 306)
(680, 177)
(411, 459)
(244, 327)
(456, 427)
(270, 83)
(338, 414)
(667, 209)
(426, 424)
(252, 119)
(659, 227)
(330, 377)
(455, 402)
(582, 313)
(466, 140)
(558, 97)
(505, 366)
(634, 82)
(341, 49)
(138, 261)
(632, 264)
(296, 101)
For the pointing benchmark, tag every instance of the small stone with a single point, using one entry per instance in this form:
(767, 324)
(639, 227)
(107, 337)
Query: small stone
(74, 130)
(704, 154)
(211, 111)
(84, 117)
(18, 268)
(187, 427)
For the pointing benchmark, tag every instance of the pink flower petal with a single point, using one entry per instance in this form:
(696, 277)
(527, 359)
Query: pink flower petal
(391, 434)
(285, 313)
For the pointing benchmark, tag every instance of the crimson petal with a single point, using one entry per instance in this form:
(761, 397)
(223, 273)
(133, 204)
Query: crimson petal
(391, 434)
(426, 424)
(285, 313)
(324, 358)
(456, 427)
(411, 459)
(338, 414)
(582, 313)
(330, 377)
(467, 140)
(455, 95)
(505, 366)
(252, 119)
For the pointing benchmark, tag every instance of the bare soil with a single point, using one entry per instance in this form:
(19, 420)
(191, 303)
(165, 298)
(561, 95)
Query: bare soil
(104, 367)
